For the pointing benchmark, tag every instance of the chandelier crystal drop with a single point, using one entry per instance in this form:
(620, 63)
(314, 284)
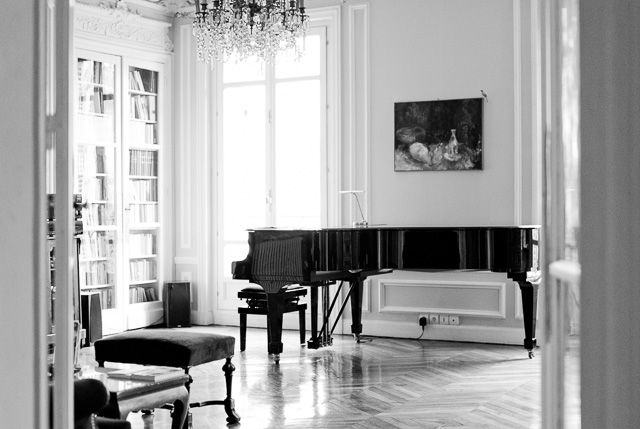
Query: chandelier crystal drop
(248, 28)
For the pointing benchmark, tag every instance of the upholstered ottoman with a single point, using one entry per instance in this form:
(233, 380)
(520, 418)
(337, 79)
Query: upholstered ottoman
(176, 348)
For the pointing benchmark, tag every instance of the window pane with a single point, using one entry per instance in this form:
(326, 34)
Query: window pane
(298, 155)
(248, 70)
(244, 160)
(287, 65)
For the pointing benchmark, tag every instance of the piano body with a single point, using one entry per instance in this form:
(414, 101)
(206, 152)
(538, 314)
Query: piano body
(279, 257)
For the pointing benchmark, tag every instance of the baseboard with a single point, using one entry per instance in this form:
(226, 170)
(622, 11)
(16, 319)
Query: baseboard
(204, 318)
(475, 333)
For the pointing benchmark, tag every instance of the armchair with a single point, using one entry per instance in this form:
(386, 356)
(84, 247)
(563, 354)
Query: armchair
(89, 397)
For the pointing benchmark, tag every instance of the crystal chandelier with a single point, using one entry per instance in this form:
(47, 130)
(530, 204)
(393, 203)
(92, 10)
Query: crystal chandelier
(248, 27)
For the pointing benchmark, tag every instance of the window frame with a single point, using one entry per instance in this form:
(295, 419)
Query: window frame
(326, 19)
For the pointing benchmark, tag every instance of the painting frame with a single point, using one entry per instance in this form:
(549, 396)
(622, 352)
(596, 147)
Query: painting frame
(438, 135)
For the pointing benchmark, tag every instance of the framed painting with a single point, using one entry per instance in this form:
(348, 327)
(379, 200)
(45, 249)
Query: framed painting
(438, 135)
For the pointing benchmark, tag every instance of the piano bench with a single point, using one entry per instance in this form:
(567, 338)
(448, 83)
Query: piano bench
(257, 304)
(178, 348)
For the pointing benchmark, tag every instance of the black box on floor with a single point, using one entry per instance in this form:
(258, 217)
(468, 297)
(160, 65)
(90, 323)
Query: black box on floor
(177, 304)
(91, 317)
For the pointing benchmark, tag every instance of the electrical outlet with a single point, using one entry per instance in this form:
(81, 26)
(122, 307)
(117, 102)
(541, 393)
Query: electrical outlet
(454, 320)
(444, 319)
(422, 321)
(434, 319)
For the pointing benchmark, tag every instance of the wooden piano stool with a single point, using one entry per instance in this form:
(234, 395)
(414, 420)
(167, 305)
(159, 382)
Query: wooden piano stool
(257, 304)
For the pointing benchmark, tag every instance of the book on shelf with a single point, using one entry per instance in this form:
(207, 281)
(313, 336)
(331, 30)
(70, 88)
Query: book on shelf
(135, 80)
(150, 294)
(89, 71)
(85, 70)
(143, 163)
(138, 79)
(149, 79)
(142, 244)
(138, 294)
(97, 72)
(152, 108)
(150, 373)
(143, 107)
(106, 295)
(108, 104)
(98, 100)
(142, 133)
(146, 213)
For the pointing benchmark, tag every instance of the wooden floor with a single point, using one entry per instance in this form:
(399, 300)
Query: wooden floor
(379, 383)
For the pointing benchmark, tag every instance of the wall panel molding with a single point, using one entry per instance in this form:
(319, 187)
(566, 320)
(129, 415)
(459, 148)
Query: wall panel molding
(517, 114)
(518, 304)
(359, 64)
(474, 334)
(478, 299)
(185, 260)
(183, 198)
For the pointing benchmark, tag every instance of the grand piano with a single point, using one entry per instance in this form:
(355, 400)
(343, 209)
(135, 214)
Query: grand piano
(280, 257)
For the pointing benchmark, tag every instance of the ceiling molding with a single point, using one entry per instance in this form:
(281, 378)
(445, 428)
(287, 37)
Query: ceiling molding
(120, 22)
(172, 8)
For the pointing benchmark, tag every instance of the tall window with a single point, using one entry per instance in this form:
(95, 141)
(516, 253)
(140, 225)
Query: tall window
(272, 126)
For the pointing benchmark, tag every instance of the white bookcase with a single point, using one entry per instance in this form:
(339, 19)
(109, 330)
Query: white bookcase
(122, 170)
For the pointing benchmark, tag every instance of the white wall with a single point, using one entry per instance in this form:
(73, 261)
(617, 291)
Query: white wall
(22, 307)
(432, 50)
(393, 51)
(610, 213)
(416, 50)
(194, 168)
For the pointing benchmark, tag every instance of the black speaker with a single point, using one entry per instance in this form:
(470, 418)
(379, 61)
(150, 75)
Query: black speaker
(177, 304)
(91, 317)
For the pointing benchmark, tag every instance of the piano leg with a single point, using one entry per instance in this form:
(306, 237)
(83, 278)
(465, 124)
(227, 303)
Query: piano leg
(314, 341)
(356, 307)
(275, 310)
(529, 293)
(326, 317)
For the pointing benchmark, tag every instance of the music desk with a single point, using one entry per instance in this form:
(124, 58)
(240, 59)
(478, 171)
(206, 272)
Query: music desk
(129, 395)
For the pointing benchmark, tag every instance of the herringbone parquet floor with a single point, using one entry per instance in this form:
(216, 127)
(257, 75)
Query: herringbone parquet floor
(378, 383)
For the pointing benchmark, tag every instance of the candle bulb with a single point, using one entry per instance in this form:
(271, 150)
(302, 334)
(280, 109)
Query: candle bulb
(197, 6)
(301, 4)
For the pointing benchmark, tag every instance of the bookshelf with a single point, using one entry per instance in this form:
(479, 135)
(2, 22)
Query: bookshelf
(143, 185)
(118, 172)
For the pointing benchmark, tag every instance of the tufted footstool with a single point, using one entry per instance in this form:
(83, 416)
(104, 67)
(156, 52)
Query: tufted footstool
(172, 347)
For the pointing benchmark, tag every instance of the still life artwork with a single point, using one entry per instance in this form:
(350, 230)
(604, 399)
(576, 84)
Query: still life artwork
(438, 135)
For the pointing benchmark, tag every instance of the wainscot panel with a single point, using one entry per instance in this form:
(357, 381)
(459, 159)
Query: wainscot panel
(480, 299)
